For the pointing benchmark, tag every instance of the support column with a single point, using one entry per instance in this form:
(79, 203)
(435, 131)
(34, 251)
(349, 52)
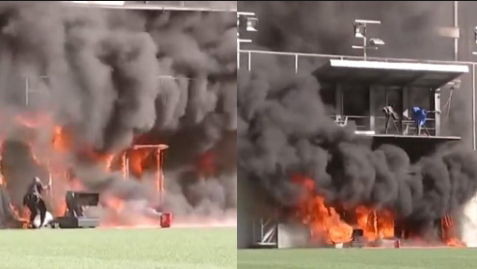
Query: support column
(437, 109)
(339, 100)
(406, 102)
(372, 108)
(406, 109)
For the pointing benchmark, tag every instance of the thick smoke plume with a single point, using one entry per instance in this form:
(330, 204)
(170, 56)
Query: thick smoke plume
(284, 129)
(114, 78)
(326, 27)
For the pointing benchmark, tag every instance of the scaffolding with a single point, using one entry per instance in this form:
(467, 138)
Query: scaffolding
(265, 232)
(158, 150)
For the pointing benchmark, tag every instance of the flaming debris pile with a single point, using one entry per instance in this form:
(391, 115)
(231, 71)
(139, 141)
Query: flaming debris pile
(80, 87)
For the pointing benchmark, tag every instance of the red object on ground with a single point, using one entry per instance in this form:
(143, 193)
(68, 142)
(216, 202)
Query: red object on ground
(397, 243)
(166, 220)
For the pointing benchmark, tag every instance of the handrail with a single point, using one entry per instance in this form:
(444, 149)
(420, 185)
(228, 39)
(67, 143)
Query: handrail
(153, 6)
(352, 57)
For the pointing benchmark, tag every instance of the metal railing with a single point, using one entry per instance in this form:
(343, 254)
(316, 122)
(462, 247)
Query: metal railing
(362, 123)
(265, 232)
(199, 6)
(296, 56)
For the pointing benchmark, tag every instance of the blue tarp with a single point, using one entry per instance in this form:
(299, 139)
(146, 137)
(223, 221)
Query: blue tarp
(419, 115)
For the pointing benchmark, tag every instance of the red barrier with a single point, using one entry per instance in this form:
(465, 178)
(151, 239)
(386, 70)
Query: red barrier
(166, 220)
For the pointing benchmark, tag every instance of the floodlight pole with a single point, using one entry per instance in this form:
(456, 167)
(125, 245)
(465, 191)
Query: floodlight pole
(364, 24)
(239, 40)
(238, 49)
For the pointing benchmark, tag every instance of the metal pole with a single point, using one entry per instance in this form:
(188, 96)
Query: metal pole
(456, 24)
(26, 91)
(249, 61)
(296, 63)
(238, 53)
(364, 47)
(159, 182)
(473, 107)
(125, 175)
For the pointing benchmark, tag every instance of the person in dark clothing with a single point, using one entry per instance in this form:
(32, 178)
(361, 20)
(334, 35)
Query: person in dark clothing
(34, 201)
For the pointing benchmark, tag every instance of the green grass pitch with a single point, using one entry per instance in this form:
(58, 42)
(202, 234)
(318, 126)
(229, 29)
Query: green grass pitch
(175, 248)
(444, 258)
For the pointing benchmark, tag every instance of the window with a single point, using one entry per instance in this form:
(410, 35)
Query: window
(388, 96)
(356, 105)
(328, 97)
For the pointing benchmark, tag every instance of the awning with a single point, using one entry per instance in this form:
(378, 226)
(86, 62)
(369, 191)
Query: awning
(390, 73)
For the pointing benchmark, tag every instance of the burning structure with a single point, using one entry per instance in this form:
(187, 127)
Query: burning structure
(92, 97)
(352, 150)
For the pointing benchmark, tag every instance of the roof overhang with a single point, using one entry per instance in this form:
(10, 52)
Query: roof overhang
(146, 7)
(390, 73)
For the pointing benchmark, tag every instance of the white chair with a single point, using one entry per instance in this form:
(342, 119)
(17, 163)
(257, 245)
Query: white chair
(341, 120)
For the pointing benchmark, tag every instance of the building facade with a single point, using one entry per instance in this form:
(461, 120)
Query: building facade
(380, 94)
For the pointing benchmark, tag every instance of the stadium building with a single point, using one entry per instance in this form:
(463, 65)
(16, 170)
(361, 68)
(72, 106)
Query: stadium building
(393, 100)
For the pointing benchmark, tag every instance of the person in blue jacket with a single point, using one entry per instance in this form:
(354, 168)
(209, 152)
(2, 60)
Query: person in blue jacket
(420, 118)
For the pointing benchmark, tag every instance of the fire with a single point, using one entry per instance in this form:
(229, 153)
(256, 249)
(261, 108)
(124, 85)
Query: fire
(207, 164)
(109, 161)
(447, 232)
(323, 220)
(115, 203)
(137, 157)
(375, 225)
(53, 159)
(104, 159)
(33, 121)
(61, 140)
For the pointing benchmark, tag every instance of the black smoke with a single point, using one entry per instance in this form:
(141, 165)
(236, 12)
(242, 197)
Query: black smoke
(284, 128)
(326, 27)
(112, 78)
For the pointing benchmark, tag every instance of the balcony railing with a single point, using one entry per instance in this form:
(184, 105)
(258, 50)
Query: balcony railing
(404, 127)
(296, 57)
(219, 6)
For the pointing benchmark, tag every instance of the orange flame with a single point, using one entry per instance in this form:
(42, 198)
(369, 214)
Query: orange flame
(447, 232)
(375, 225)
(61, 140)
(33, 121)
(136, 160)
(105, 159)
(207, 164)
(324, 221)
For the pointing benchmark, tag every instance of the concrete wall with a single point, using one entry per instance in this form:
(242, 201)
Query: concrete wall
(244, 213)
(468, 223)
(293, 236)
